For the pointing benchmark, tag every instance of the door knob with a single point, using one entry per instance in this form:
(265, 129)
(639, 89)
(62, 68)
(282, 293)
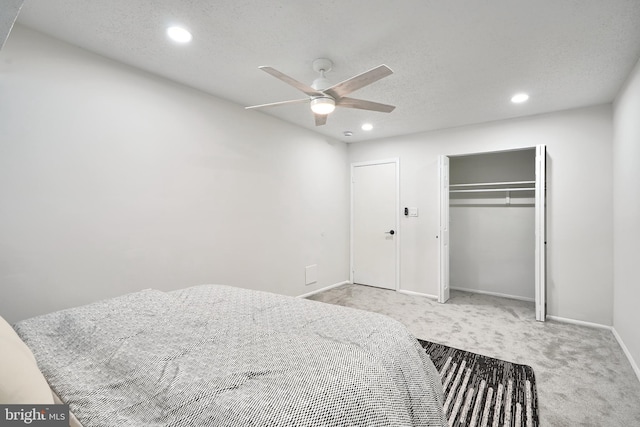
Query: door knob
(390, 232)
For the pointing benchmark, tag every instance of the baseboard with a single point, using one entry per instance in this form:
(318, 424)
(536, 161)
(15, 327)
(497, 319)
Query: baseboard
(627, 353)
(578, 322)
(418, 294)
(494, 294)
(317, 291)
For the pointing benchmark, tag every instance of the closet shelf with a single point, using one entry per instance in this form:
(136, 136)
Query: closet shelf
(492, 184)
(492, 187)
(493, 190)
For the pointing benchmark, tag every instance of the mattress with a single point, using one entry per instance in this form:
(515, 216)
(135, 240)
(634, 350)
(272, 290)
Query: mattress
(216, 355)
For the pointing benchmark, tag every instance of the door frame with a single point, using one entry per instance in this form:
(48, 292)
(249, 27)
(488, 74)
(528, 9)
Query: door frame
(443, 247)
(540, 226)
(397, 237)
(541, 233)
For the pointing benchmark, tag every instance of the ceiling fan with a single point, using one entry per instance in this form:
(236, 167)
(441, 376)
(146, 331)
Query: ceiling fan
(324, 98)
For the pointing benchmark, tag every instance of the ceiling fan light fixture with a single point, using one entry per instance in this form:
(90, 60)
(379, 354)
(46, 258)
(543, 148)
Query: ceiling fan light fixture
(323, 105)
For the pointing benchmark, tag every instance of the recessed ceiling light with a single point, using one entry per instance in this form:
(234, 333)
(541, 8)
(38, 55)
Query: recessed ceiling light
(367, 126)
(179, 34)
(519, 98)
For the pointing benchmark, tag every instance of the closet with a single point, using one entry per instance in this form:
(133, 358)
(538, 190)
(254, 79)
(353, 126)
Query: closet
(492, 223)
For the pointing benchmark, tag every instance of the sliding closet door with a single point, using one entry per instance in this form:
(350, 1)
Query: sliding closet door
(540, 279)
(443, 295)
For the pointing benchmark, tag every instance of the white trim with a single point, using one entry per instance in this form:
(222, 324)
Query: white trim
(418, 294)
(578, 322)
(540, 233)
(376, 162)
(444, 270)
(627, 353)
(494, 294)
(326, 288)
(396, 239)
(398, 231)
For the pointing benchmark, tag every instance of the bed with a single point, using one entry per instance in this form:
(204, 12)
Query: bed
(215, 355)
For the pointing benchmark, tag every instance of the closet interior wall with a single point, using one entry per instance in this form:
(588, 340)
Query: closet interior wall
(492, 223)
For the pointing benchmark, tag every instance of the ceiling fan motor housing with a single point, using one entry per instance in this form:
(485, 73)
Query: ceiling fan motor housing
(321, 83)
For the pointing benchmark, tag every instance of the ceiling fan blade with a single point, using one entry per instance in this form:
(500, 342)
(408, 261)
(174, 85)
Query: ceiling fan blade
(291, 81)
(361, 80)
(275, 104)
(364, 105)
(321, 119)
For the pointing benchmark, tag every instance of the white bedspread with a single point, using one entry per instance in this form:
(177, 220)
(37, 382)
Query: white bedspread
(221, 356)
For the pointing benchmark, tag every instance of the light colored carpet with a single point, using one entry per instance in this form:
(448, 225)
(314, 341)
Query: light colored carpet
(582, 375)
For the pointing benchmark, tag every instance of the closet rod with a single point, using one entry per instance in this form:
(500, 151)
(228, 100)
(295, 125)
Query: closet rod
(492, 183)
(493, 190)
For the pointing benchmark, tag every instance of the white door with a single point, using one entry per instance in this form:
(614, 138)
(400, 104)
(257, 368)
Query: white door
(374, 223)
(443, 295)
(540, 253)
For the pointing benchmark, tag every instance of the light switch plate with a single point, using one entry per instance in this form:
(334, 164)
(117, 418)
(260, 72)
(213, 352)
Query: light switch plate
(413, 211)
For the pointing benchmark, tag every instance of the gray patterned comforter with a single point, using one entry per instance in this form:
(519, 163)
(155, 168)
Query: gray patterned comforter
(221, 356)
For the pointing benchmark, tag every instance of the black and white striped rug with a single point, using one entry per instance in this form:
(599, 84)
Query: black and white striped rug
(481, 391)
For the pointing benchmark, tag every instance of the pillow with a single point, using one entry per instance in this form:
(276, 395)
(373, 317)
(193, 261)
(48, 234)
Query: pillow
(21, 382)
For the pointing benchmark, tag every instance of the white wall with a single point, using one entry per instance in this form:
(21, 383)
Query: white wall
(113, 180)
(626, 196)
(492, 243)
(579, 201)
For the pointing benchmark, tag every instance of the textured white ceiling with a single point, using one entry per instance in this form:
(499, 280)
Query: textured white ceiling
(456, 62)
